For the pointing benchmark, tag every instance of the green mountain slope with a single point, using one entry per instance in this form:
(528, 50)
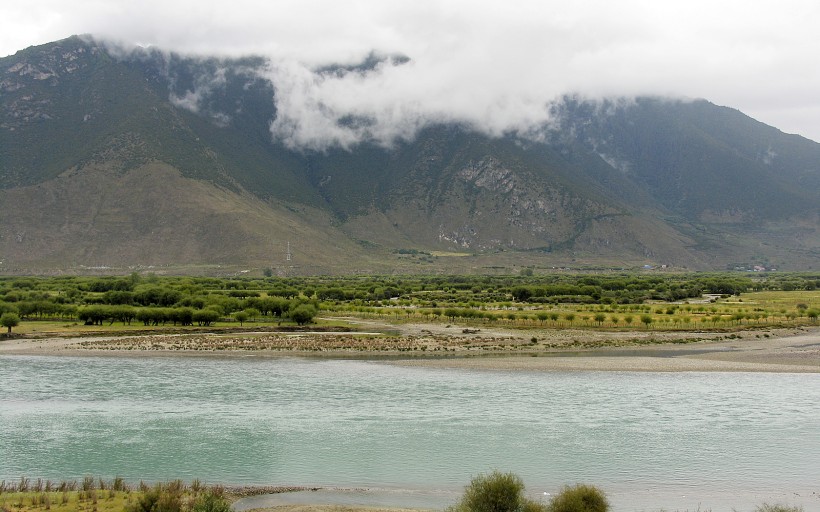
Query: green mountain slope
(147, 158)
(700, 160)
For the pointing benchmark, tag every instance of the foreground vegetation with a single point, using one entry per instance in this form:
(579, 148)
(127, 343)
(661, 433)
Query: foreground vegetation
(494, 492)
(504, 492)
(110, 496)
(597, 301)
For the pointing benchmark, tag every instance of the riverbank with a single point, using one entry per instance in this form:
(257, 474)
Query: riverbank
(331, 508)
(435, 345)
(796, 351)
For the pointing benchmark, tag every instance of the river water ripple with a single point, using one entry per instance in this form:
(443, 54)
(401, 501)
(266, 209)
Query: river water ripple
(651, 440)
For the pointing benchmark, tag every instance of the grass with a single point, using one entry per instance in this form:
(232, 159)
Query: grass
(761, 310)
(28, 496)
(99, 501)
(779, 299)
(98, 495)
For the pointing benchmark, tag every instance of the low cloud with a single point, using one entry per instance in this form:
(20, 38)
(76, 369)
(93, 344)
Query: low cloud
(387, 104)
(490, 65)
(192, 99)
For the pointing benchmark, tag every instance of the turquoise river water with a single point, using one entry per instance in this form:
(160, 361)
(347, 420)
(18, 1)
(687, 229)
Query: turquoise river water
(412, 436)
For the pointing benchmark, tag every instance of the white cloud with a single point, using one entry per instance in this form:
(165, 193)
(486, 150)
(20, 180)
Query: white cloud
(487, 63)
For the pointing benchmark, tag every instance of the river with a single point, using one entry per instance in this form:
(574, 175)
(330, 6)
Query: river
(415, 435)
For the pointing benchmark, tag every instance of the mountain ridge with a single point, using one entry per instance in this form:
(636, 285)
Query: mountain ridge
(617, 183)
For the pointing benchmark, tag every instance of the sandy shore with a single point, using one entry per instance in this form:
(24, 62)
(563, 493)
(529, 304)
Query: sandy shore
(787, 352)
(330, 508)
(619, 363)
(435, 345)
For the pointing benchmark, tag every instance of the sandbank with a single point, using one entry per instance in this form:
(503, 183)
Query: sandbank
(789, 350)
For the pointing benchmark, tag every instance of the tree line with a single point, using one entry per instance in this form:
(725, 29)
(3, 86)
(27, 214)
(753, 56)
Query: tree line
(161, 300)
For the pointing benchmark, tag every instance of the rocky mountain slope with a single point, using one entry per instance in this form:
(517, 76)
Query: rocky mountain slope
(143, 158)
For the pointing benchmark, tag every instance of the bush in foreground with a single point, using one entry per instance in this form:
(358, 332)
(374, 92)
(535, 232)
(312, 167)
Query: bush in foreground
(211, 501)
(174, 497)
(504, 492)
(496, 492)
(157, 499)
(579, 498)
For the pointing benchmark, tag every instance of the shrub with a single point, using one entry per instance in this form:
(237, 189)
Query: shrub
(579, 498)
(496, 492)
(777, 508)
(119, 484)
(157, 499)
(211, 501)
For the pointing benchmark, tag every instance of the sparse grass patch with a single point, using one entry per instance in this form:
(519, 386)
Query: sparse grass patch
(113, 496)
(766, 507)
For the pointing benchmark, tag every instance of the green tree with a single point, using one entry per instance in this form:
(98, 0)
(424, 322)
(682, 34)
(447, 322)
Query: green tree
(185, 316)
(95, 315)
(241, 317)
(5, 307)
(303, 314)
(123, 314)
(205, 317)
(646, 320)
(9, 320)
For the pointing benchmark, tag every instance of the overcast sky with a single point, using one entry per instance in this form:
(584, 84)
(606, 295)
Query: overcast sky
(492, 64)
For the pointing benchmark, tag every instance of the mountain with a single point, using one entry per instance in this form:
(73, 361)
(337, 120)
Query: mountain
(145, 158)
